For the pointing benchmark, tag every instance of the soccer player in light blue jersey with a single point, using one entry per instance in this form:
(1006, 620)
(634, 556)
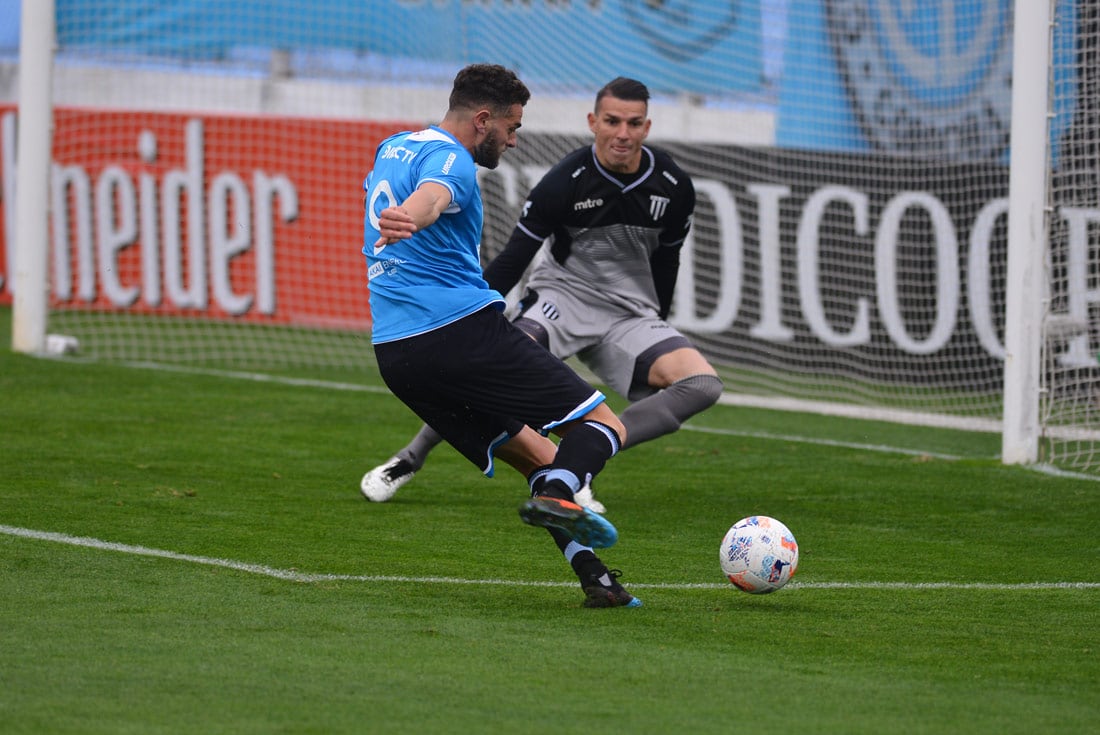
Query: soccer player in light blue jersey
(611, 219)
(443, 344)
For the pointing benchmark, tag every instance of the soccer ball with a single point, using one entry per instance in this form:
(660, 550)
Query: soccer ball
(758, 555)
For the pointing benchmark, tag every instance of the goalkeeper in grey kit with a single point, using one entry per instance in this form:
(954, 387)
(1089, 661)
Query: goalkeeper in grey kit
(615, 215)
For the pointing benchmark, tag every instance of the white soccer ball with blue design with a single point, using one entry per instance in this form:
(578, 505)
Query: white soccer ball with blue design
(758, 555)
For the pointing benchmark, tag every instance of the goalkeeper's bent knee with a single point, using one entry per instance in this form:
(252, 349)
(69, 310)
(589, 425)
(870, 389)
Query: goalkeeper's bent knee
(665, 411)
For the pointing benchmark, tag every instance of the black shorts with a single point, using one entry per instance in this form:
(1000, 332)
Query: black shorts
(477, 381)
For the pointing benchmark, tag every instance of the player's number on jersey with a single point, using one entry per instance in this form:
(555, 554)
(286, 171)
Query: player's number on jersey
(373, 208)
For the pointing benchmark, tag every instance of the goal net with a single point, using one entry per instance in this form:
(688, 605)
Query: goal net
(1070, 406)
(851, 157)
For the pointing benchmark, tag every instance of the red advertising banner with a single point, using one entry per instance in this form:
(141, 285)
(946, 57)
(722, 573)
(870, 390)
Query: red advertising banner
(246, 217)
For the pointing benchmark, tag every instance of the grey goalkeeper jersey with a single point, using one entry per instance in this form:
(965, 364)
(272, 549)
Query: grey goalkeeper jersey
(614, 239)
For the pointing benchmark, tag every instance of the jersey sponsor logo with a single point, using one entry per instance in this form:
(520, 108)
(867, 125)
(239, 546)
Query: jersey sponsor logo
(657, 206)
(670, 177)
(401, 153)
(450, 162)
(578, 172)
(927, 78)
(388, 266)
(588, 204)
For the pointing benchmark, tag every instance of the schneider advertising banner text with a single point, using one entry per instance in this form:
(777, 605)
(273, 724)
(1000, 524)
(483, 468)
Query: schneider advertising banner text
(260, 219)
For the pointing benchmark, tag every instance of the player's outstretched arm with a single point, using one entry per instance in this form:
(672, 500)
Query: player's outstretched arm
(420, 210)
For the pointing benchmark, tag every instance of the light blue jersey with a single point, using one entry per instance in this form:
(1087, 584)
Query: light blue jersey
(434, 277)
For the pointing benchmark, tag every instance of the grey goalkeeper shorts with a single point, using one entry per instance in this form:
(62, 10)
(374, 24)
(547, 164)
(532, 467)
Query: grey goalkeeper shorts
(617, 345)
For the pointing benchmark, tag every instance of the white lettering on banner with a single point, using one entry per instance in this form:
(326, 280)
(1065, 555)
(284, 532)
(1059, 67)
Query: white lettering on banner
(150, 223)
(115, 208)
(770, 327)
(97, 221)
(947, 272)
(731, 260)
(978, 273)
(1080, 274)
(948, 292)
(809, 284)
(93, 223)
(72, 184)
(266, 190)
(184, 187)
(227, 239)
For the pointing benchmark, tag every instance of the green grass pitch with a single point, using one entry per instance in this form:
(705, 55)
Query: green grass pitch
(186, 552)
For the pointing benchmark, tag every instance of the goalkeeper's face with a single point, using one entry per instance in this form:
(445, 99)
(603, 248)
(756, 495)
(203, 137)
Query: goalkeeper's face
(620, 127)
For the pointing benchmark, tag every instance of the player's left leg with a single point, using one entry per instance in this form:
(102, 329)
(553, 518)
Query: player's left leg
(600, 585)
(552, 509)
(587, 443)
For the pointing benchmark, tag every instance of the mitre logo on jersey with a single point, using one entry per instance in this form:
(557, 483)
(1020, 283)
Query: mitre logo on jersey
(657, 206)
(587, 204)
(682, 31)
(930, 79)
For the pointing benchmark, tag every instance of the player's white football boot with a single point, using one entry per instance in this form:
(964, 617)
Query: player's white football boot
(584, 499)
(381, 483)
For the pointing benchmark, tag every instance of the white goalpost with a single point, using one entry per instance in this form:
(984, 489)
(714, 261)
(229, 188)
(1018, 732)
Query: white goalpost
(898, 203)
(1027, 231)
(31, 231)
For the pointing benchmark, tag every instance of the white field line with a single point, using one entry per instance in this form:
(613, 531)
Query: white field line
(823, 442)
(356, 387)
(291, 575)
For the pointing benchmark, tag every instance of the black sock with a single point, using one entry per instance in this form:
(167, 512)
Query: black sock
(545, 481)
(583, 452)
(587, 564)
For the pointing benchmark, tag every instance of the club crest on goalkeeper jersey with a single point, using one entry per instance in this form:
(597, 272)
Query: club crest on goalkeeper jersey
(434, 277)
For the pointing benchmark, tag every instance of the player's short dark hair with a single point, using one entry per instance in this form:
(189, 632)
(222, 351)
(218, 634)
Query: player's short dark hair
(488, 85)
(624, 88)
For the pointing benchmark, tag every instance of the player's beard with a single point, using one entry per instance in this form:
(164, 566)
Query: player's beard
(488, 152)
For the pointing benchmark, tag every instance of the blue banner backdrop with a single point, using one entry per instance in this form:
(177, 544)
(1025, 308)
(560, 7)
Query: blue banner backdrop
(710, 47)
(928, 79)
